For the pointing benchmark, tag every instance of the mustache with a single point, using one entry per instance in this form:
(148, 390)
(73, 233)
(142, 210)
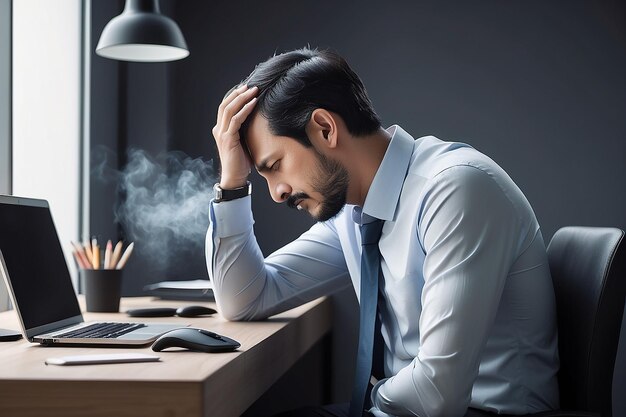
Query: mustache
(292, 199)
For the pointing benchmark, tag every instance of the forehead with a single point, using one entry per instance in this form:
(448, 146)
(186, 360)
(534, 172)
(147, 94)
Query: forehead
(258, 130)
(261, 142)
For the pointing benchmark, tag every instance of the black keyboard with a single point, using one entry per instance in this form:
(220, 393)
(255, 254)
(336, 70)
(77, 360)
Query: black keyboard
(101, 330)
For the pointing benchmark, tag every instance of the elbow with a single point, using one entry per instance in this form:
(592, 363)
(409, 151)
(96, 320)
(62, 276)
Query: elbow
(231, 313)
(228, 309)
(242, 317)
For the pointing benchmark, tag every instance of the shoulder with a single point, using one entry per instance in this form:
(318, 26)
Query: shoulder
(432, 156)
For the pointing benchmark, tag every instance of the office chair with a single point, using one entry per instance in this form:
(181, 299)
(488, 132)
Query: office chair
(588, 267)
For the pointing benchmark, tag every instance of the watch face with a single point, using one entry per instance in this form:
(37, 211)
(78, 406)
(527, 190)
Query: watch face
(218, 192)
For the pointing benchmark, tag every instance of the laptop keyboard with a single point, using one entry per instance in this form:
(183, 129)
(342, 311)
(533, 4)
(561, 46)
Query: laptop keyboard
(101, 330)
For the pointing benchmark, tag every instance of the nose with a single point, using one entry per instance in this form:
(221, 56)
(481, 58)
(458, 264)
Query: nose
(280, 192)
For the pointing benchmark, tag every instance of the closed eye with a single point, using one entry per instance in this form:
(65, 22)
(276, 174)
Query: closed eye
(265, 166)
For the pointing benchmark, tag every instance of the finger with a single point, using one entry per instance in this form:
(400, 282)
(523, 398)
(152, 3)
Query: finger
(230, 96)
(234, 88)
(238, 102)
(235, 106)
(237, 120)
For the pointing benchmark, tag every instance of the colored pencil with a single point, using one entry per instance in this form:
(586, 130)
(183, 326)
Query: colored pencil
(107, 255)
(88, 252)
(125, 256)
(117, 252)
(80, 253)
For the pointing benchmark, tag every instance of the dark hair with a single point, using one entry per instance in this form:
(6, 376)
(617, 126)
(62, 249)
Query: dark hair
(293, 84)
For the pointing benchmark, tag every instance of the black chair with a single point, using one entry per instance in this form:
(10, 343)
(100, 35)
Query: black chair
(588, 266)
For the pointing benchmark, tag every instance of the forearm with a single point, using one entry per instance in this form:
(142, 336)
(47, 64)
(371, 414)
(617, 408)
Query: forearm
(432, 387)
(234, 260)
(249, 287)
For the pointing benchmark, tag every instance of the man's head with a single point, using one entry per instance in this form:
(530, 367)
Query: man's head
(308, 102)
(292, 85)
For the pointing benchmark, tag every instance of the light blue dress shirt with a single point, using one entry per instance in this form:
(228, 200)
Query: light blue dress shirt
(469, 315)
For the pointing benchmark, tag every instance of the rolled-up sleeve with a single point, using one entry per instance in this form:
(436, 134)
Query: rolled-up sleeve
(249, 287)
(469, 230)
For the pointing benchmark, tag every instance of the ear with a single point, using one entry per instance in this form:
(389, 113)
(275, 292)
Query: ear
(322, 129)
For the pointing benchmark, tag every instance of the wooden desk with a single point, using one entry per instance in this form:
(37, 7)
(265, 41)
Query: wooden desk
(181, 384)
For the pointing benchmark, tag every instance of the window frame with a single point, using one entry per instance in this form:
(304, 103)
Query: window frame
(6, 40)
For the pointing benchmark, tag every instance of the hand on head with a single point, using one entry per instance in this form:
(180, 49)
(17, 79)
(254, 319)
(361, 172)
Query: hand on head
(231, 114)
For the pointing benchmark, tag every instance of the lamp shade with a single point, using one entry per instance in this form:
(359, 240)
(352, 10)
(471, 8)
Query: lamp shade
(142, 34)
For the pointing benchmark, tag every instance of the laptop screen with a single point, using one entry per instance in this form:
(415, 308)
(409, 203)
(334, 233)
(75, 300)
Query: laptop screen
(35, 263)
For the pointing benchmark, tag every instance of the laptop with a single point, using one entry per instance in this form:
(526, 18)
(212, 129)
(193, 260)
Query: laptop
(35, 271)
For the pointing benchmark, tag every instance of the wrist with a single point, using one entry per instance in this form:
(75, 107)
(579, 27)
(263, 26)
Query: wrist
(224, 194)
(227, 183)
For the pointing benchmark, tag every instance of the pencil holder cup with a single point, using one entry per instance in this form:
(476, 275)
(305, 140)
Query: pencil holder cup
(102, 289)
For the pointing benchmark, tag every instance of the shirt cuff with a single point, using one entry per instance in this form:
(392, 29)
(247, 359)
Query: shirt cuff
(232, 217)
(375, 410)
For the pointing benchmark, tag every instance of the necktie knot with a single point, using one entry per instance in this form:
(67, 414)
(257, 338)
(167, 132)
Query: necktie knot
(370, 232)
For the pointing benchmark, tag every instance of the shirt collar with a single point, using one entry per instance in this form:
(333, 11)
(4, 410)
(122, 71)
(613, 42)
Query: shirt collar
(384, 192)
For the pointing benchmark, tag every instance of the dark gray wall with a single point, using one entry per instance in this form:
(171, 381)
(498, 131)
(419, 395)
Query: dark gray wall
(106, 137)
(538, 86)
(129, 109)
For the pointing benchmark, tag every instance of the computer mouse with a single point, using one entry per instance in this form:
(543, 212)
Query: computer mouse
(195, 339)
(194, 311)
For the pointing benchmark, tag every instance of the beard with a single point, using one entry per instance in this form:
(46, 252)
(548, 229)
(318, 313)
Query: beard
(331, 182)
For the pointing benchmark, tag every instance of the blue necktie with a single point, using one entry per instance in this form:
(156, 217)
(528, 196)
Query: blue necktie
(370, 272)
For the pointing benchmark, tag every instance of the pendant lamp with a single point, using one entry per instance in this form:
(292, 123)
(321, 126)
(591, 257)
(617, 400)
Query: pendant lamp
(142, 34)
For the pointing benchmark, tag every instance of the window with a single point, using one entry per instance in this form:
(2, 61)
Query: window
(46, 109)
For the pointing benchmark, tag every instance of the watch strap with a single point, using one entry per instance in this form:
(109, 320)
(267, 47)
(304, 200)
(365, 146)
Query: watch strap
(228, 195)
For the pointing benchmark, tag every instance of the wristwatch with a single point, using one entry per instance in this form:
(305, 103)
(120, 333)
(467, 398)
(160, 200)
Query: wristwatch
(227, 195)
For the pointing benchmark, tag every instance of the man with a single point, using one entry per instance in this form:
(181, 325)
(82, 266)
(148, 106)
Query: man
(465, 299)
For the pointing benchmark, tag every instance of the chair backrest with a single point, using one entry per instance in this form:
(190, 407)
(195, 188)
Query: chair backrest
(588, 270)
